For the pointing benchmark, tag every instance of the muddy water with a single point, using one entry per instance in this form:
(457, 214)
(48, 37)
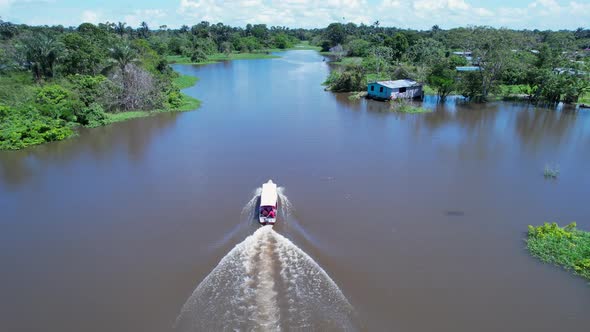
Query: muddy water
(418, 219)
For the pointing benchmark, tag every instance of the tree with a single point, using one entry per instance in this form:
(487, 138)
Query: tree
(335, 34)
(143, 30)
(358, 47)
(426, 51)
(41, 52)
(120, 29)
(81, 55)
(281, 41)
(398, 44)
(492, 51)
(226, 48)
(442, 78)
(122, 55)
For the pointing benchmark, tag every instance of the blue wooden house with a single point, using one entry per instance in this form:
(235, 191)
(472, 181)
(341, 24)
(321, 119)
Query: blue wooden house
(386, 90)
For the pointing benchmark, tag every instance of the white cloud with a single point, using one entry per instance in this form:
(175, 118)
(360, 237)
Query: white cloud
(90, 16)
(151, 16)
(417, 14)
(408, 14)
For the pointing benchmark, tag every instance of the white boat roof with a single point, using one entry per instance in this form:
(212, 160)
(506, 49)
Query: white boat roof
(269, 194)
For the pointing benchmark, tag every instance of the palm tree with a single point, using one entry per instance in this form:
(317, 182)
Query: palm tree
(120, 28)
(121, 56)
(143, 30)
(41, 52)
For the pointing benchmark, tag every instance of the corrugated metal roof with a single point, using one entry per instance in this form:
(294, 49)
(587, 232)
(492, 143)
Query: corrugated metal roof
(467, 68)
(398, 84)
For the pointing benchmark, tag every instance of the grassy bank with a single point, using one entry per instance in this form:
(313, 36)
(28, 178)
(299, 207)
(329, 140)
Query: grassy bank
(566, 246)
(179, 59)
(185, 81)
(188, 103)
(262, 54)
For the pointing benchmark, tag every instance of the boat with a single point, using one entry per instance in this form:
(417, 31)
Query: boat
(267, 214)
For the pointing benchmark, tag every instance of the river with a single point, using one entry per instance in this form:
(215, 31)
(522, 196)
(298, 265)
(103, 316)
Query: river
(417, 221)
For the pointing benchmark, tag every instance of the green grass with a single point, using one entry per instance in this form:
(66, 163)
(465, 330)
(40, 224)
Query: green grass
(188, 104)
(304, 45)
(566, 246)
(219, 57)
(585, 99)
(185, 81)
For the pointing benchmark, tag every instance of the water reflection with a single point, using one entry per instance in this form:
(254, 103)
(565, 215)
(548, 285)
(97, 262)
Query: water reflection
(129, 140)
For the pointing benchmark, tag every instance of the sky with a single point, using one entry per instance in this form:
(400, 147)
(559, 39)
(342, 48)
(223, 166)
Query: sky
(414, 14)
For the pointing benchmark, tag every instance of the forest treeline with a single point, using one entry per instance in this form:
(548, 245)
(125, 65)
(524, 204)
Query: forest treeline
(546, 66)
(54, 78)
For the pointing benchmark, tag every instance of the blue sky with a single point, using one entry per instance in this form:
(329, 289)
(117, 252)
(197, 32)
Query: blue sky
(417, 14)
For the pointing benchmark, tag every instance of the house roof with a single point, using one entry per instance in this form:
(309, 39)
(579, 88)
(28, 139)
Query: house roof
(398, 84)
(467, 68)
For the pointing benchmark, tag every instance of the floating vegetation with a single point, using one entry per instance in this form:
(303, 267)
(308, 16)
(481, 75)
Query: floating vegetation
(403, 106)
(566, 246)
(357, 95)
(551, 172)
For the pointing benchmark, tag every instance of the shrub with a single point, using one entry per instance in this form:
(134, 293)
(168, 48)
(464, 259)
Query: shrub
(350, 79)
(57, 102)
(174, 98)
(21, 128)
(92, 116)
(88, 87)
(198, 56)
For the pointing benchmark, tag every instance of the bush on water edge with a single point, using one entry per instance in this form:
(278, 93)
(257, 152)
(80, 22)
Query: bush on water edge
(51, 113)
(566, 246)
(403, 106)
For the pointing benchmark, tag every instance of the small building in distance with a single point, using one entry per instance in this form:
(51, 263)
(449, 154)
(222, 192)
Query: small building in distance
(468, 55)
(387, 90)
(468, 68)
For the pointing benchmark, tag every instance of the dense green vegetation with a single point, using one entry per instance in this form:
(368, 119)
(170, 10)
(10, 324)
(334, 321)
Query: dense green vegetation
(564, 246)
(542, 66)
(54, 78)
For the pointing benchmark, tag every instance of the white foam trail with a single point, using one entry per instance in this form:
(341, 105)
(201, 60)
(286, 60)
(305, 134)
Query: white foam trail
(249, 210)
(286, 206)
(266, 283)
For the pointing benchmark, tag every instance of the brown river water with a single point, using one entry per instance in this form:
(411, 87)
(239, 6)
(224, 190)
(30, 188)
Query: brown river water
(389, 222)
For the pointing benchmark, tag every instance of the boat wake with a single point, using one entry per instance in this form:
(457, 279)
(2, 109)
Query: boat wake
(266, 283)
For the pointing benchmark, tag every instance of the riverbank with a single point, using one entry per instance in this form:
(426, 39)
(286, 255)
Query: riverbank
(566, 246)
(184, 60)
(261, 54)
(19, 130)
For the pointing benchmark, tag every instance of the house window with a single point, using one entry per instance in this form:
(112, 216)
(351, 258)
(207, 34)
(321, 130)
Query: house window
(372, 88)
(381, 89)
(402, 90)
